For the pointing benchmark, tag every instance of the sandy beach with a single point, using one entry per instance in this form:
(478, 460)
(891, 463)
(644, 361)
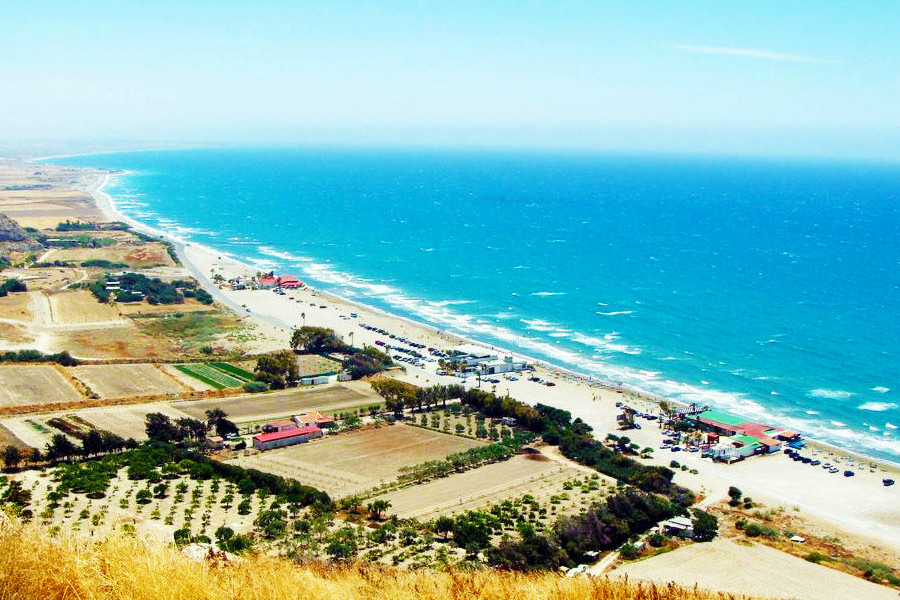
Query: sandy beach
(859, 506)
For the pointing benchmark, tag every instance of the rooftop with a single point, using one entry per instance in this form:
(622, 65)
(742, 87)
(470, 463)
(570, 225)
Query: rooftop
(287, 433)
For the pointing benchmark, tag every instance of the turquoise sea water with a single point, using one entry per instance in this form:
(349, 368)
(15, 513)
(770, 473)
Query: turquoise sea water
(768, 289)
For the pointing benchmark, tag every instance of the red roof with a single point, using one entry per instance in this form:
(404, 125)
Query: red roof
(267, 280)
(288, 279)
(287, 433)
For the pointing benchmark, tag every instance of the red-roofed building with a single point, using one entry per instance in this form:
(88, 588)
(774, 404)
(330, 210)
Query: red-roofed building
(266, 283)
(288, 437)
(289, 282)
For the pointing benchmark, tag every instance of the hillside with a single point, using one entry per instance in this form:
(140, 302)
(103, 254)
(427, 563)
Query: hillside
(34, 564)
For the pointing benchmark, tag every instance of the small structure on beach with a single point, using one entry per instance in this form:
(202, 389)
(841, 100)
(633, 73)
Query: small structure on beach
(266, 283)
(289, 282)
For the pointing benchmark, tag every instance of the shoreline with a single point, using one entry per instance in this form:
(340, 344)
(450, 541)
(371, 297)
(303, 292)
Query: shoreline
(862, 508)
(108, 206)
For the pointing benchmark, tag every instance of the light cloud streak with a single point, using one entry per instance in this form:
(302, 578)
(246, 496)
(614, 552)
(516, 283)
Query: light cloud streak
(747, 53)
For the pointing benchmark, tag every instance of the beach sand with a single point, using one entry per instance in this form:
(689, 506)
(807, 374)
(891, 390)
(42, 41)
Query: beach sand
(857, 506)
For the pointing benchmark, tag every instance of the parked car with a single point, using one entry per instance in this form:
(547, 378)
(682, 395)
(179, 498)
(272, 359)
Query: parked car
(887, 482)
(849, 473)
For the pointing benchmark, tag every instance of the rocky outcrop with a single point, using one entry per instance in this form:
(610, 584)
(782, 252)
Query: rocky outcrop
(10, 230)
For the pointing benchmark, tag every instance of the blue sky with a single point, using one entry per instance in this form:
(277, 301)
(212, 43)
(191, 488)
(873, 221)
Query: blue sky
(796, 78)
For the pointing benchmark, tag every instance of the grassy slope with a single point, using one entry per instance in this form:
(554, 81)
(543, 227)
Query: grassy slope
(35, 565)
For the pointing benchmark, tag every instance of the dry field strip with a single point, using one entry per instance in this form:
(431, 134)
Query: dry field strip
(126, 381)
(142, 309)
(16, 307)
(8, 438)
(254, 407)
(24, 385)
(127, 420)
(78, 307)
(310, 364)
(483, 486)
(150, 254)
(354, 462)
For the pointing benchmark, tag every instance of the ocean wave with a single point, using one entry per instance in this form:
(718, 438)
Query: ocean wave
(449, 302)
(547, 294)
(877, 406)
(831, 394)
(890, 426)
(615, 312)
(267, 251)
(881, 389)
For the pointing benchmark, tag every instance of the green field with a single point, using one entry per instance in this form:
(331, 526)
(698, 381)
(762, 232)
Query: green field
(234, 371)
(210, 375)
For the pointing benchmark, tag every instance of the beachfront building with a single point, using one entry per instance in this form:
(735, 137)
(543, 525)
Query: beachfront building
(505, 365)
(266, 283)
(471, 355)
(287, 437)
(289, 282)
(741, 438)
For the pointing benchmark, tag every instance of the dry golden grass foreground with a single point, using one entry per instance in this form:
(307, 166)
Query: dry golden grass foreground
(36, 565)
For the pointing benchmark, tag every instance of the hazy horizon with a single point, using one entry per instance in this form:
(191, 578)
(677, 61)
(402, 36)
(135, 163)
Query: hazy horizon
(769, 79)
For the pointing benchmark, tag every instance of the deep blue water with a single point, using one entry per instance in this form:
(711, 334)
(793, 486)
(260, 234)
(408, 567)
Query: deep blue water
(768, 289)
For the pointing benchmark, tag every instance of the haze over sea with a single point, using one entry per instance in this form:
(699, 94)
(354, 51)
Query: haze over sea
(769, 289)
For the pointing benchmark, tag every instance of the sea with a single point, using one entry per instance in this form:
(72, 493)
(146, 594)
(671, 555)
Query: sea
(767, 288)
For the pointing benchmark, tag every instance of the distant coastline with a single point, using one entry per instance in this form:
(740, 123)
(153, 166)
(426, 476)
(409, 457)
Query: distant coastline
(610, 382)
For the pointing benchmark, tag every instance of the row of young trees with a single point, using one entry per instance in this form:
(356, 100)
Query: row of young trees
(454, 463)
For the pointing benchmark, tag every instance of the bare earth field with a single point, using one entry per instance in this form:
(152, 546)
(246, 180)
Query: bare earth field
(353, 462)
(22, 385)
(254, 407)
(481, 487)
(143, 309)
(149, 255)
(113, 342)
(16, 307)
(751, 569)
(8, 438)
(80, 307)
(127, 420)
(13, 336)
(125, 381)
(313, 365)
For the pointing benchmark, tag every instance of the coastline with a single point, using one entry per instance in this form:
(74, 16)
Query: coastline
(585, 396)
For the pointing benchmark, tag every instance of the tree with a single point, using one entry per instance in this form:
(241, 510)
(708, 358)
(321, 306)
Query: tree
(735, 495)
(217, 419)
(278, 369)
(12, 456)
(61, 447)
(316, 340)
(191, 429)
(271, 523)
(396, 394)
(92, 443)
(378, 507)
(352, 503)
(159, 428)
(706, 526)
(443, 525)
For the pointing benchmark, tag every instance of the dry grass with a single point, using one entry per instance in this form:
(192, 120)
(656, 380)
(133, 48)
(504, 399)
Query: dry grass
(79, 307)
(27, 385)
(127, 567)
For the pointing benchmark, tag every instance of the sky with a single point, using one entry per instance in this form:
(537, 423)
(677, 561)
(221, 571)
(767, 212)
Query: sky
(768, 78)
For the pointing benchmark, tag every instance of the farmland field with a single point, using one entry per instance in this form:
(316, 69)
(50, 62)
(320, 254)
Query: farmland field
(186, 380)
(16, 306)
(147, 255)
(234, 371)
(353, 462)
(272, 405)
(123, 381)
(480, 487)
(7, 438)
(313, 364)
(127, 420)
(210, 375)
(22, 385)
(80, 306)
